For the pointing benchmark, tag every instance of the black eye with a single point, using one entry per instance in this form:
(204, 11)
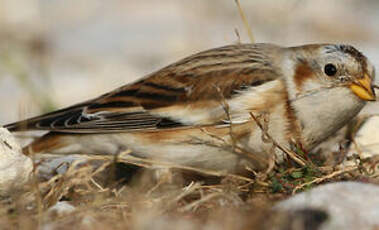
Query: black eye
(330, 69)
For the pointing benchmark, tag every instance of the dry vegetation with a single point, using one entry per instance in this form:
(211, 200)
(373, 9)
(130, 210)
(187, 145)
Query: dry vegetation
(132, 193)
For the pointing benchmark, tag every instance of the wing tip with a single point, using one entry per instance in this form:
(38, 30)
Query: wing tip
(17, 126)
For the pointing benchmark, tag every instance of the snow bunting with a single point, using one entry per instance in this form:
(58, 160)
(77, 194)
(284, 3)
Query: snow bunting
(199, 110)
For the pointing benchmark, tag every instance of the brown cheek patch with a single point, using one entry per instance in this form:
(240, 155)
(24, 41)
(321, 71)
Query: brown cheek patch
(294, 126)
(303, 72)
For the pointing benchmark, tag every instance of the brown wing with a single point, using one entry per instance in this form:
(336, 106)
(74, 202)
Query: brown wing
(184, 93)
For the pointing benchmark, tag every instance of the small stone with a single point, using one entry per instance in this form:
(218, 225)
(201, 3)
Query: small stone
(15, 168)
(53, 216)
(367, 139)
(61, 208)
(51, 165)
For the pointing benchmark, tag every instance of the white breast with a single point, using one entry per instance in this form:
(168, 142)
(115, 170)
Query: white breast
(323, 113)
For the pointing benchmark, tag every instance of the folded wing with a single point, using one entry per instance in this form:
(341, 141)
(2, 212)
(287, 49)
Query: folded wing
(190, 92)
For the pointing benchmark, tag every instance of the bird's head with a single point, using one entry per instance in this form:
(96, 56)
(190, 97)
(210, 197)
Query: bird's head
(318, 67)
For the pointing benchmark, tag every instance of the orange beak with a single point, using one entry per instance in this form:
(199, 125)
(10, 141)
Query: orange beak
(363, 88)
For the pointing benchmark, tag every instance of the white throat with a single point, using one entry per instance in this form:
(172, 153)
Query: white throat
(323, 113)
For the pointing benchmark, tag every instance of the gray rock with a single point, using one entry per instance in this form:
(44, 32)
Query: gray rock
(347, 205)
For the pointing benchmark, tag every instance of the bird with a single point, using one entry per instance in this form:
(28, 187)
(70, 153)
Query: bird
(229, 108)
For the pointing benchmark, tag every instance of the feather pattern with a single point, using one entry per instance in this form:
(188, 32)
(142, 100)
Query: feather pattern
(196, 83)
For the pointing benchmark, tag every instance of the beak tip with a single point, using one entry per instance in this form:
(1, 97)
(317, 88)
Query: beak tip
(364, 89)
(373, 93)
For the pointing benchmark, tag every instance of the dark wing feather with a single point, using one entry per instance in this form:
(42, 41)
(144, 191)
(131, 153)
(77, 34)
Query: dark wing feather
(197, 81)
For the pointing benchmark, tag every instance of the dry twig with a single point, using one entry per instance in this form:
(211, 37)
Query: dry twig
(291, 154)
(149, 163)
(245, 22)
(329, 176)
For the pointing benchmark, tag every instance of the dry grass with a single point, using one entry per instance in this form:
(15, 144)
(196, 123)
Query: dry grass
(172, 197)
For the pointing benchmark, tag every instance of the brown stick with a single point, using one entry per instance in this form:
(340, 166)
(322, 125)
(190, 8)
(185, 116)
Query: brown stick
(291, 154)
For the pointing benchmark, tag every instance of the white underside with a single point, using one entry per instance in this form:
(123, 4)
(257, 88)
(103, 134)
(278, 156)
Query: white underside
(185, 149)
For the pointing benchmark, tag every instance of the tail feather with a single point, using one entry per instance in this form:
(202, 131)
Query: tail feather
(44, 121)
(19, 126)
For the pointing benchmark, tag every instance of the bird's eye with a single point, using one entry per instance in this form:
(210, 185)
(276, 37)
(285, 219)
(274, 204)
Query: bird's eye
(330, 69)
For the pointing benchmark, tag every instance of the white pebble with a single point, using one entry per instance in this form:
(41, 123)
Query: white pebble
(15, 168)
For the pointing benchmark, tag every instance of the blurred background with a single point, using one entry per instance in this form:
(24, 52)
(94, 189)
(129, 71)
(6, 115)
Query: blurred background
(54, 53)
